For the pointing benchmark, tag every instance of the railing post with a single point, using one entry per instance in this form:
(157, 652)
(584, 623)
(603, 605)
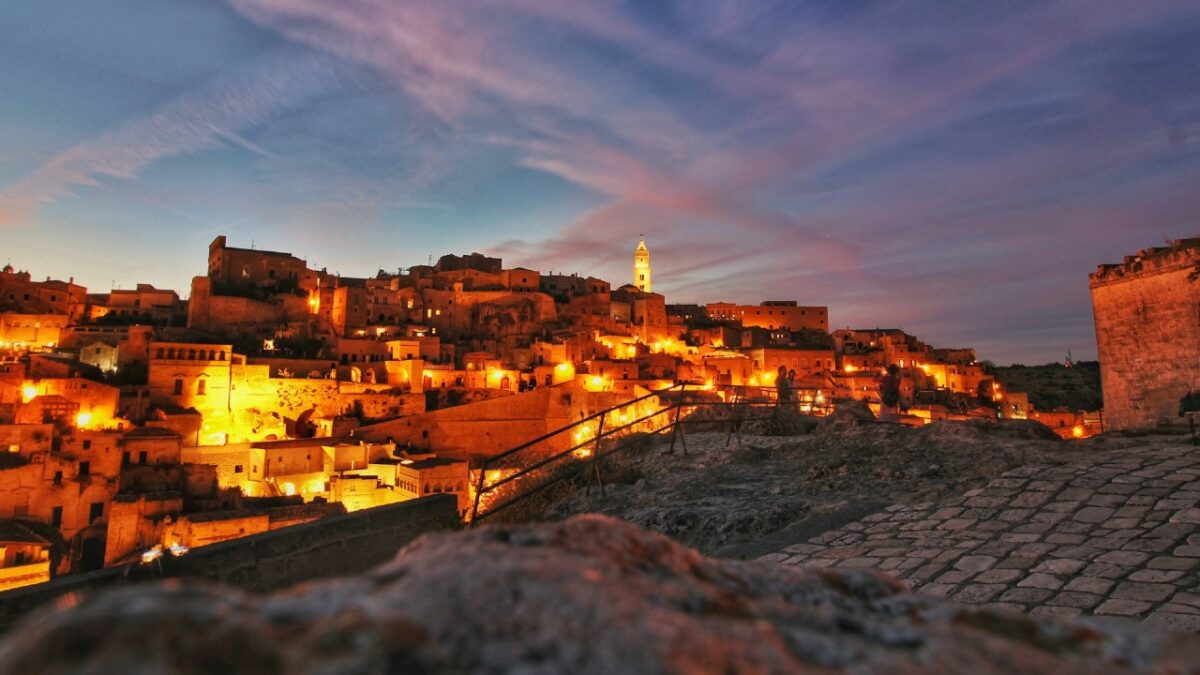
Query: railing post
(478, 492)
(676, 429)
(596, 457)
(734, 421)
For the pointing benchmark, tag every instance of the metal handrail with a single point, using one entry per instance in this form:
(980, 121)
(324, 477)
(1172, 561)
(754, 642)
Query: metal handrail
(479, 490)
(765, 398)
(584, 420)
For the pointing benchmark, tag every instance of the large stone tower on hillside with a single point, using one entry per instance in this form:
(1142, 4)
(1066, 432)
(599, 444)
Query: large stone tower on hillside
(641, 266)
(1148, 334)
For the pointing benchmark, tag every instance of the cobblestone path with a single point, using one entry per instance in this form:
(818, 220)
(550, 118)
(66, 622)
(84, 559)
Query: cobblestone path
(1118, 536)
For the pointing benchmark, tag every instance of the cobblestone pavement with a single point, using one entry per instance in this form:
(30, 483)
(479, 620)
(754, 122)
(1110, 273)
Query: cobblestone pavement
(1115, 536)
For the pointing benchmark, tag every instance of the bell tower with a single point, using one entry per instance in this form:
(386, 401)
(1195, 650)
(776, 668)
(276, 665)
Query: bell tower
(641, 266)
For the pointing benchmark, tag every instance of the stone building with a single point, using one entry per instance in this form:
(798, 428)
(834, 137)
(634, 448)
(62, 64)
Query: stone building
(234, 267)
(772, 315)
(641, 267)
(20, 293)
(31, 330)
(24, 556)
(1147, 311)
(143, 303)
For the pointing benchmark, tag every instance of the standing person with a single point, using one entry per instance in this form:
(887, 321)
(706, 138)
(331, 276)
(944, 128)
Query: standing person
(889, 395)
(783, 386)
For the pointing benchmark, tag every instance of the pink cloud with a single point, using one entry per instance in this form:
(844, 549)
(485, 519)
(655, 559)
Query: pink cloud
(197, 120)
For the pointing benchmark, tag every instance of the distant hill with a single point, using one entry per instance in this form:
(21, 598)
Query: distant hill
(1054, 386)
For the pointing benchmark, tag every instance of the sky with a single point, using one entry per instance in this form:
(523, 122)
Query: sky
(955, 169)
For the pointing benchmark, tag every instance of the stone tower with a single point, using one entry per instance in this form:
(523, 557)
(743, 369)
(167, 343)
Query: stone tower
(641, 266)
(1147, 312)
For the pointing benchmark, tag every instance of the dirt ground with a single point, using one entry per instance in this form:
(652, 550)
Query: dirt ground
(770, 491)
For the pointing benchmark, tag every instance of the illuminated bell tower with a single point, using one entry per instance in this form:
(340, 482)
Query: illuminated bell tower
(641, 266)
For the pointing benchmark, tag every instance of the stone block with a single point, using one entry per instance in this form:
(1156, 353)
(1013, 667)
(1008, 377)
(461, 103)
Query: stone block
(957, 524)
(1089, 585)
(1156, 576)
(1030, 499)
(1148, 545)
(1106, 571)
(1060, 566)
(954, 577)
(1123, 607)
(1020, 538)
(1041, 580)
(1186, 598)
(1026, 595)
(1184, 623)
(1171, 563)
(1094, 514)
(975, 563)
(1123, 558)
(1112, 500)
(979, 593)
(1053, 612)
(1172, 531)
(1075, 599)
(999, 576)
(937, 590)
(1142, 592)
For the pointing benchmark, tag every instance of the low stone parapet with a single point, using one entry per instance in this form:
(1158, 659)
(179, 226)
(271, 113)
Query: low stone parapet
(340, 545)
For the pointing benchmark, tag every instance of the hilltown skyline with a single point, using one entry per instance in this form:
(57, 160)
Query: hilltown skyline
(184, 292)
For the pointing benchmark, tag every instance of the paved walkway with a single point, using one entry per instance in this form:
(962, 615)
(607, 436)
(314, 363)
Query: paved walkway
(1116, 536)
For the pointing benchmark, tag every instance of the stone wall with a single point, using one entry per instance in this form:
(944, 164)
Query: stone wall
(294, 396)
(341, 545)
(1147, 312)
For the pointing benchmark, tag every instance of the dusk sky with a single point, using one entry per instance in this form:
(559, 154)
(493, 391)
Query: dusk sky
(955, 169)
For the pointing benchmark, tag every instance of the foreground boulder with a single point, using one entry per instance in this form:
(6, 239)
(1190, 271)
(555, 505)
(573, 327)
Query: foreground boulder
(588, 595)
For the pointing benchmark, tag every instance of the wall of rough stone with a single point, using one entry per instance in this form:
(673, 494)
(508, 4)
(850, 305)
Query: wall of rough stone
(1147, 312)
(381, 405)
(341, 545)
(294, 396)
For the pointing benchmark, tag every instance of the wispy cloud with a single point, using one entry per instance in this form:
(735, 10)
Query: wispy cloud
(196, 120)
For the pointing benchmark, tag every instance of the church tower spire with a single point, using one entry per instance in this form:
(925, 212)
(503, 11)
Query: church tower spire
(641, 265)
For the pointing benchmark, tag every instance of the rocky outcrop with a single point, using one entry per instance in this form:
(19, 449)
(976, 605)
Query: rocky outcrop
(845, 416)
(589, 595)
(751, 495)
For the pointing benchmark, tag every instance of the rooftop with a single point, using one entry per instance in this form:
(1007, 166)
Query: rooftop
(305, 442)
(13, 532)
(434, 462)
